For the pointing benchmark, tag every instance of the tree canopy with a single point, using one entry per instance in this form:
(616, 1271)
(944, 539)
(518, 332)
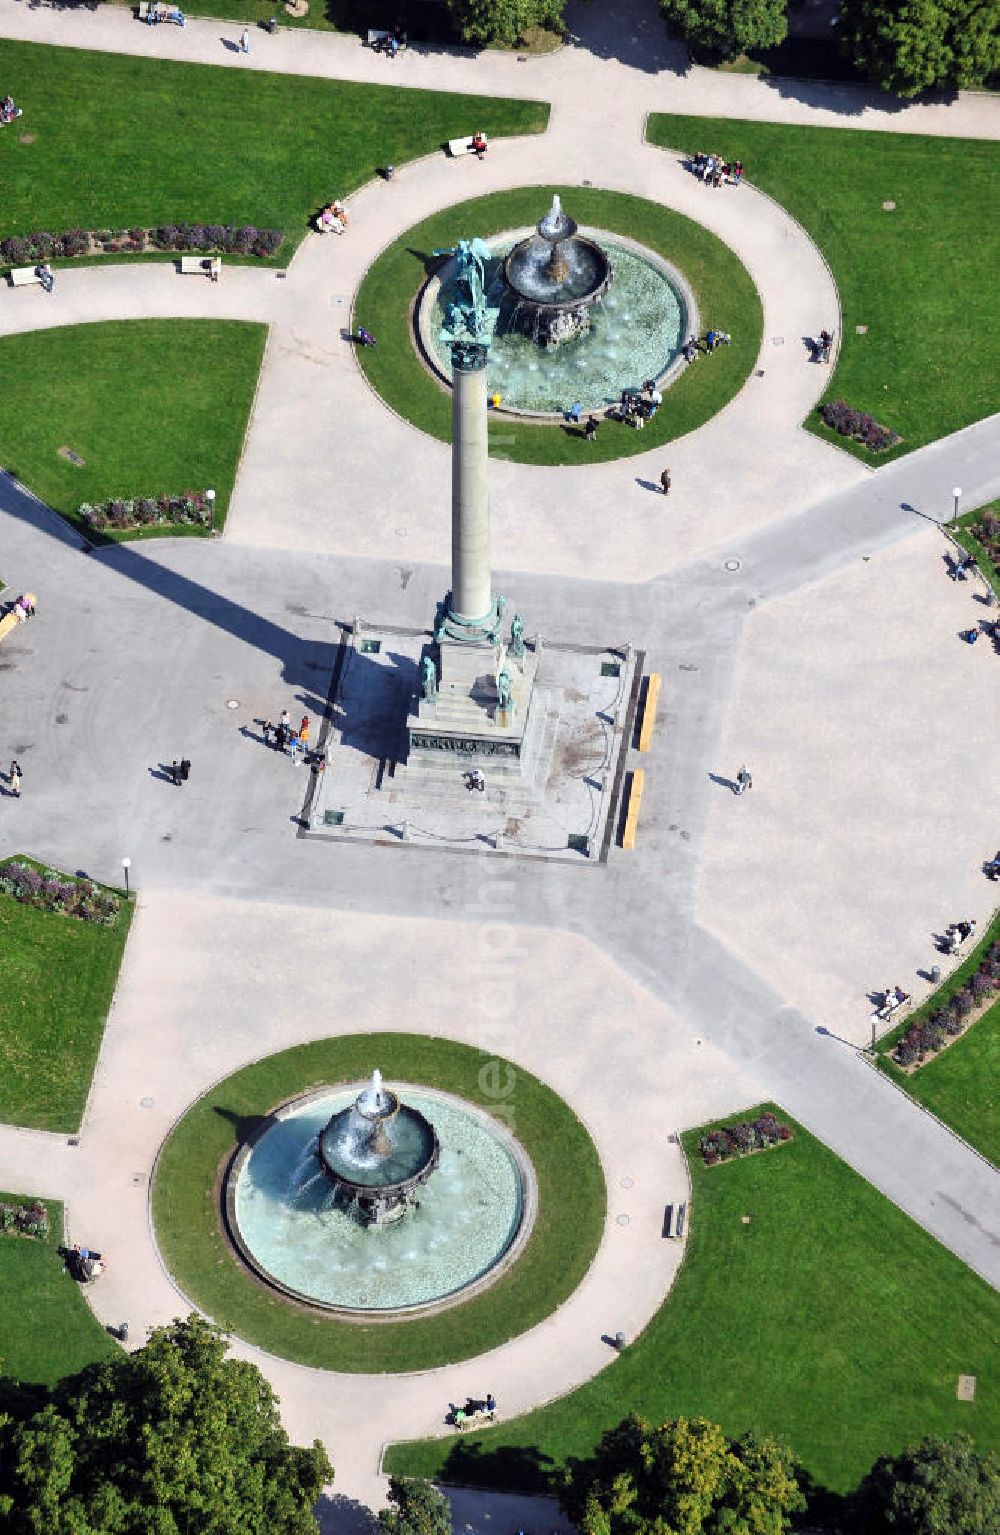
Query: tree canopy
(683, 1478)
(906, 46)
(173, 1438)
(503, 22)
(416, 1507)
(938, 1487)
(727, 27)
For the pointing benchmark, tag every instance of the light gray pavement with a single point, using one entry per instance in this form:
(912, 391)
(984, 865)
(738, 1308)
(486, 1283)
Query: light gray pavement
(635, 962)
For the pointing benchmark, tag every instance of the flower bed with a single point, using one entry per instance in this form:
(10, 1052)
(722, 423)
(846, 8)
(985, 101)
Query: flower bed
(24, 1220)
(48, 890)
(985, 529)
(929, 1035)
(229, 239)
(147, 511)
(848, 422)
(741, 1139)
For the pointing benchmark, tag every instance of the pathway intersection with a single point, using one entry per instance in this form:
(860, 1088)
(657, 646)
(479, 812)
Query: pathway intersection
(728, 958)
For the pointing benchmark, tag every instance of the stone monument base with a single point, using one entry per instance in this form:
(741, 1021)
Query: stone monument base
(464, 719)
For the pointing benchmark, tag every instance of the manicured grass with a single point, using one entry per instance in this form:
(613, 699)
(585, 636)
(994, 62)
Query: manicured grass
(164, 409)
(57, 979)
(567, 1230)
(964, 531)
(725, 293)
(47, 1329)
(831, 1321)
(959, 1085)
(125, 141)
(922, 278)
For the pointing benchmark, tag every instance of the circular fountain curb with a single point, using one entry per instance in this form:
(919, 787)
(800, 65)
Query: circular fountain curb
(529, 1208)
(423, 305)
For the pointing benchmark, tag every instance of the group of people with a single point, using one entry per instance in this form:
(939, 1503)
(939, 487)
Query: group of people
(284, 737)
(713, 170)
(713, 340)
(332, 219)
(822, 345)
(893, 997)
(24, 606)
(957, 933)
(474, 1407)
(390, 42)
(637, 406)
(158, 13)
(9, 112)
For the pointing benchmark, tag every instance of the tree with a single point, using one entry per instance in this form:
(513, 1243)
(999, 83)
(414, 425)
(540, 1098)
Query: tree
(503, 22)
(727, 27)
(906, 46)
(173, 1438)
(938, 1487)
(416, 1508)
(683, 1478)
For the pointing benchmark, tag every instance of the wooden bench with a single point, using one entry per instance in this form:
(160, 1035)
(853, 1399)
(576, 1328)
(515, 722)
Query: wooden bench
(476, 1419)
(457, 147)
(378, 35)
(649, 711)
(884, 1013)
(7, 623)
(206, 266)
(637, 783)
(20, 276)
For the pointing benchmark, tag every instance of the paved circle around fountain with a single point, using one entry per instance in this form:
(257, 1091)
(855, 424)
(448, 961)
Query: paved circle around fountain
(469, 1221)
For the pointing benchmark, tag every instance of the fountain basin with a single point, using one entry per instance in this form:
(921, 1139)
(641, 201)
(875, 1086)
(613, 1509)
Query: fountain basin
(462, 1229)
(635, 332)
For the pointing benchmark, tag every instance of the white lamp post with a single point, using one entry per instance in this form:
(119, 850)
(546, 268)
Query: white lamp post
(956, 493)
(126, 865)
(210, 498)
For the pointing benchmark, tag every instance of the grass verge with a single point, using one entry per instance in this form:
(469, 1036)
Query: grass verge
(57, 980)
(959, 1085)
(912, 275)
(568, 1227)
(174, 142)
(164, 409)
(47, 1330)
(830, 1320)
(726, 298)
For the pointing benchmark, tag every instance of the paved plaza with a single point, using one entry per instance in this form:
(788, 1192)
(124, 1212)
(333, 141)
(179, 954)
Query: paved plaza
(795, 602)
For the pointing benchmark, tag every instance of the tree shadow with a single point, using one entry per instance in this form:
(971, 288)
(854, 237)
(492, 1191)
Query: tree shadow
(629, 32)
(471, 1462)
(339, 1515)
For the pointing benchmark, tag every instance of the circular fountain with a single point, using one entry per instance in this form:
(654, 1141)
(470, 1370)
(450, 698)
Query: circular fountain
(554, 278)
(567, 316)
(377, 1153)
(360, 1203)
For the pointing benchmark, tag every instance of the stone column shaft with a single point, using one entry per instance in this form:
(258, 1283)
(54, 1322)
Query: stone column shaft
(471, 576)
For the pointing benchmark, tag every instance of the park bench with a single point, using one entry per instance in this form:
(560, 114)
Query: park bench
(20, 276)
(475, 1419)
(649, 711)
(457, 147)
(206, 266)
(379, 35)
(892, 1005)
(7, 623)
(152, 11)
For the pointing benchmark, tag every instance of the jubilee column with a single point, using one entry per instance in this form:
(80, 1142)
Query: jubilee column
(471, 614)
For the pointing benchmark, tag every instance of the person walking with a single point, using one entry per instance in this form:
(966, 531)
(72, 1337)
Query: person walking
(185, 769)
(14, 779)
(665, 482)
(744, 781)
(175, 773)
(245, 41)
(590, 430)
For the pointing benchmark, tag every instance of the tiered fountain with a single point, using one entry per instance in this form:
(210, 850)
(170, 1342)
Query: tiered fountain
(554, 278)
(377, 1153)
(348, 1200)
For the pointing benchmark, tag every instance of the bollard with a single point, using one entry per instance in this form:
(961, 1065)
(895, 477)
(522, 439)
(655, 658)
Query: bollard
(123, 1332)
(935, 974)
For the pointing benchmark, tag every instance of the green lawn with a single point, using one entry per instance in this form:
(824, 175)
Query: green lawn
(152, 406)
(122, 141)
(960, 1084)
(47, 1330)
(57, 979)
(726, 297)
(831, 1320)
(567, 1230)
(922, 278)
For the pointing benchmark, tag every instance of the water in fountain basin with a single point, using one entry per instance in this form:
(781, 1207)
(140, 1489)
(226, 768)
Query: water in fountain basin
(635, 333)
(467, 1216)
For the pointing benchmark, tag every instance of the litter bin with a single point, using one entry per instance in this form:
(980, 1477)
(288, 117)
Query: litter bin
(935, 974)
(389, 172)
(272, 25)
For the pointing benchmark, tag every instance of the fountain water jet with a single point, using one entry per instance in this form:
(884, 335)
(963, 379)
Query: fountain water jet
(378, 1152)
